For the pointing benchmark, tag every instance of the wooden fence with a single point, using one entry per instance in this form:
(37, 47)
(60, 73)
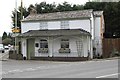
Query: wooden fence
(109, 45)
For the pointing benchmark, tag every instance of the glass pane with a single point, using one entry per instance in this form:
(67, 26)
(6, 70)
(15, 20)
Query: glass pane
(64, 43)
(36, 44)
(43, 44)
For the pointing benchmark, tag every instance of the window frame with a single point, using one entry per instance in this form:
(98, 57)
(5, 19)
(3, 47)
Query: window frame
(65, 43)
(64, 24)
(43, 25)
(43, 43)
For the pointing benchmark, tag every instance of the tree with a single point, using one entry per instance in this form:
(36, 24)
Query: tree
(7, 41)
(64, 7)
(19, 18)
(111, 16)
(4, 36)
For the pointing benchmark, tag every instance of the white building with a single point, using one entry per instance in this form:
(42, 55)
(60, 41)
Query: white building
(62, 34)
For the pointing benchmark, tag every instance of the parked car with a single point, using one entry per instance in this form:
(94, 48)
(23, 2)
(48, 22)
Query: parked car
(6, 47)
(2, 48)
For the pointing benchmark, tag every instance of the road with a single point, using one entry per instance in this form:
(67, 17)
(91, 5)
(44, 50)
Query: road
(49, 69)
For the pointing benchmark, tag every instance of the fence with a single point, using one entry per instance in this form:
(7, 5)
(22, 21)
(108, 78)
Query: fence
(109, 45)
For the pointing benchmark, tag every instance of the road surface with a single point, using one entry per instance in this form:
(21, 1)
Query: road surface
(49, 69)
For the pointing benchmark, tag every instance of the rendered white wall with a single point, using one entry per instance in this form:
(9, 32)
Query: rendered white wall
(26, 26)
(97, 40)
(73, 24)
(77, 24)
(97, 27)
(54, 25)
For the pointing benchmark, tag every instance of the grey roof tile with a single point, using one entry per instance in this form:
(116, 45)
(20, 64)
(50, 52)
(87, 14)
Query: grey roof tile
(58, 32)
(60, 15)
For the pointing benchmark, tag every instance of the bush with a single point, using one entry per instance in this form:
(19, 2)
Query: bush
(115, 53)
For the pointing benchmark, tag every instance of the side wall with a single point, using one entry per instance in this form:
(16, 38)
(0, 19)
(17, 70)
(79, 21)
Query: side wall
(97, 42)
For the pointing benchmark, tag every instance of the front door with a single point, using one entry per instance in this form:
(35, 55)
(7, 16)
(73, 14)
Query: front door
(30, 48)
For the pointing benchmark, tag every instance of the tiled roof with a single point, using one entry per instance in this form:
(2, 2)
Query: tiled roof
(60, 15)
(58, 32)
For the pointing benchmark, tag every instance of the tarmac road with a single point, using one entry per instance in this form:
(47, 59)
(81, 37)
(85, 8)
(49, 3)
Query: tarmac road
(49, 69)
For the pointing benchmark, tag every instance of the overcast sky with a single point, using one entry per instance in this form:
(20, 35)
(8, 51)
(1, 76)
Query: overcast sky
(7, 6)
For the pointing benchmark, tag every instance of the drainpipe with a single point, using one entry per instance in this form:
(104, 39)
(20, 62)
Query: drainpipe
(91, 38)
(50, 47)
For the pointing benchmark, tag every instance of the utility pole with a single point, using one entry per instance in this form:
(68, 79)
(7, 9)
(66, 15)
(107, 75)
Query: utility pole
(21, 9)
(15, 22)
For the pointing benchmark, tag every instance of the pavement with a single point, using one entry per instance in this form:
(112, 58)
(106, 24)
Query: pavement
(4, 56)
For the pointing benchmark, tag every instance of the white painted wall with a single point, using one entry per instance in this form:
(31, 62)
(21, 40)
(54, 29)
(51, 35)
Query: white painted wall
(97, 27)
(26, 26)
(77, 24)
(97, 40)
(73, 24)
(54, 25)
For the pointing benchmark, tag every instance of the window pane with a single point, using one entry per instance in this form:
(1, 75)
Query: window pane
(64, 43)
(64, 24)
(43, 44)
(43, 25)
(36, 44)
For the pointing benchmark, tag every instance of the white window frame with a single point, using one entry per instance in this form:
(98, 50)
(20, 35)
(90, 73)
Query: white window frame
(65, 24)
(43, 25)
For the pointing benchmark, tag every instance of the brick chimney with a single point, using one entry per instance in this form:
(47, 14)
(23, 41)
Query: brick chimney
(33, 11)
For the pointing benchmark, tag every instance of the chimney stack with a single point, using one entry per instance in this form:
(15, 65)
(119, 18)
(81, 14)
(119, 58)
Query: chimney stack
(33, 11)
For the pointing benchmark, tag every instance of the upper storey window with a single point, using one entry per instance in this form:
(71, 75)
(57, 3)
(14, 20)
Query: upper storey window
(64, 24)
(43, 25)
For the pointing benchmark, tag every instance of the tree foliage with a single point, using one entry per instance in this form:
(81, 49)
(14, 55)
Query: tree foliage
(111, 16)
(7, 39)
(111, 13)
(4, 35)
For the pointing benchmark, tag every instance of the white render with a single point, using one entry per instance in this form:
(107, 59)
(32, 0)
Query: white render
(73, 24)
(98, 37)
